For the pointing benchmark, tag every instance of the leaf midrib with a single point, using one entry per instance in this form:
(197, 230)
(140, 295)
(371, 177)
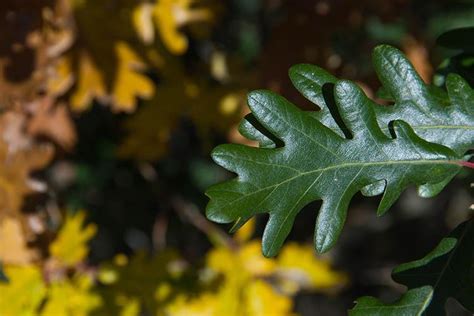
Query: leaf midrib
(421, 306)
(345, 165)
(294, 128)
(427, 127)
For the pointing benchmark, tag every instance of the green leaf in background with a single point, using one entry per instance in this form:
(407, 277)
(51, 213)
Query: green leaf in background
(443, 273)
(317, 163)
(413, 303)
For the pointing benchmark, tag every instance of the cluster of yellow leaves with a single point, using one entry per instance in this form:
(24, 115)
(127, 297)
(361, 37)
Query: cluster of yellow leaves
(27, 292)
(253, 285)
(110, 64)
(101, 65)
(87, 50)
(24, 293)
(93, 84)
(243, 290)
(210, 106)
(235, 280)
(107, 63)
(70, 246)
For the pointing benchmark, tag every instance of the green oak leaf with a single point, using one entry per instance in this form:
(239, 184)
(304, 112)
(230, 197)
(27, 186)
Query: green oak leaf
(314, 162)
(436, 116)
(443, 273)
(443, 117)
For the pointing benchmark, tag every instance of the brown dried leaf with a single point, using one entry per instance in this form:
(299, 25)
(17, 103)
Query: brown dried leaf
(25, 41)
(19, 156)
(51, 121)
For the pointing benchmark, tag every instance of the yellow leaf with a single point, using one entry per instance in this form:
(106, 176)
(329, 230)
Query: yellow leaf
(172, 15)
(204, 305)
(254, 262)
(61, 77)
(102, 63)
(129, 83)
(90, 84)
(261, 299)
(70, 246)
(245, 232)
(246, 260)
(143, 22)
(71, 297)
(298, 267)
(23, 294)
(236, 296)
(240, 269)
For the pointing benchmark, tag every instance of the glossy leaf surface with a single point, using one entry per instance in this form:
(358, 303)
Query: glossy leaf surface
(435, 115)
(317, 163)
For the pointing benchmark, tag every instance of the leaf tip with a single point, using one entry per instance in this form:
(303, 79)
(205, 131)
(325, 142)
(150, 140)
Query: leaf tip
(322, 243)
(384, 49)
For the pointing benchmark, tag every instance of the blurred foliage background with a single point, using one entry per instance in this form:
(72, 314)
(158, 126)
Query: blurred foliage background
(108, 112)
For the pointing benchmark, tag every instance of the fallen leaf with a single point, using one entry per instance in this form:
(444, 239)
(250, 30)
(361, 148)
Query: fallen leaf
(70, 246)
(13, 247)
(171, 15)
(51, 121)
(19, 156)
